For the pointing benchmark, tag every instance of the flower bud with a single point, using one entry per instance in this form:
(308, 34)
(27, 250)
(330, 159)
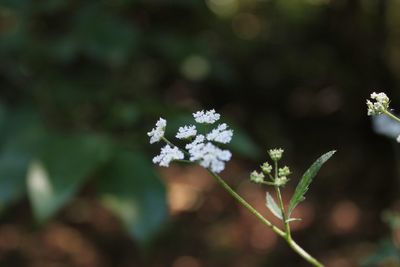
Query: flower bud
(257, 177)
(284, 171)
(275, 154)
(266, 168)
(281, 181)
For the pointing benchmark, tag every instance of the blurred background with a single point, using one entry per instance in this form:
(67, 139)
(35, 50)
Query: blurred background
(82, 82)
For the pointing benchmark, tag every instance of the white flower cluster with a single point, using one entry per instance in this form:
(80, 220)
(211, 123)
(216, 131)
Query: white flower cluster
(186, 132)
(158, 132)
(202, 149)
(167, 155)
(208, 155)
(380, 104)
(206, 117)
(221, 134)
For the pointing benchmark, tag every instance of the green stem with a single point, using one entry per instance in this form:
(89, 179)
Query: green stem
(285, 235)
(282, 207)
(284, 216)
(245, 204)
(278, 231)
(304, 254)
(391, 116)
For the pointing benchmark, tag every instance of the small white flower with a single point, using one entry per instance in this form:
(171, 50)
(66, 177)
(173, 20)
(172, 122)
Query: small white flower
(167, 155)
(220, 134)
(186, 132)
(381, 104)
(208, 155)
(209, 116)
(198, 140)
(398, 139)
(158, 132)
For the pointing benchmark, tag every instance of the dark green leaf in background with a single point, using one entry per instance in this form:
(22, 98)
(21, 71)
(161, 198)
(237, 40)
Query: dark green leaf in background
(63, 164)
(20, 135)
(130, 188)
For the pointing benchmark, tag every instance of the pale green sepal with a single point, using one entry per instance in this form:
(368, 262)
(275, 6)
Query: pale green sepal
(272, 206)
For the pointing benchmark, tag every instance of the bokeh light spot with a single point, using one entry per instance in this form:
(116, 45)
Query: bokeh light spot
(223, 8)
(246, 26)
(195, 67)
(344, 217)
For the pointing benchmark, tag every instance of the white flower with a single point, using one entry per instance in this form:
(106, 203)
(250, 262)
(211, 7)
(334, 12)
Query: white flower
(220, 134)
(381, 104)
(206, 117)
(208, 155)
(198, 140)
(398, 139)
(158, 132)
(167, 155)
(186, 132)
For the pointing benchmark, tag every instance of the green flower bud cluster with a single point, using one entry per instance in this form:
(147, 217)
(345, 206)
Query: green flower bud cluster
(257, 177)
(276, 154)
(280, 178)
(281, 181)
(266, 168)
(284, 171)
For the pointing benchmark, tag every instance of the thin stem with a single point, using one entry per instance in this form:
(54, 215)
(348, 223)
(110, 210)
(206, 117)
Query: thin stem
(167, 141)
(304, 254)
(391, 115)
(284, 234)
(268, 183)
(282, 207)
(245, 204)
(284, 216)
(299, 250)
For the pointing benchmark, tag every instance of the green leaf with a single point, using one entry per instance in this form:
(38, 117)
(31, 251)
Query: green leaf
(306, 180)
(273, 207)
(244, 145)
(20, 134)
(62, 166)
(131, 189)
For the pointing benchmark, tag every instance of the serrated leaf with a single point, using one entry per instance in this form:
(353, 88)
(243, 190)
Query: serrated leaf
(273, 207)
(306, 180)
(131, 189)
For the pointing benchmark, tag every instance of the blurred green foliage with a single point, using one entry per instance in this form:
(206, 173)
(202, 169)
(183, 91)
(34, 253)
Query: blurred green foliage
(83, 81)
(387, 251)
(80, 86)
